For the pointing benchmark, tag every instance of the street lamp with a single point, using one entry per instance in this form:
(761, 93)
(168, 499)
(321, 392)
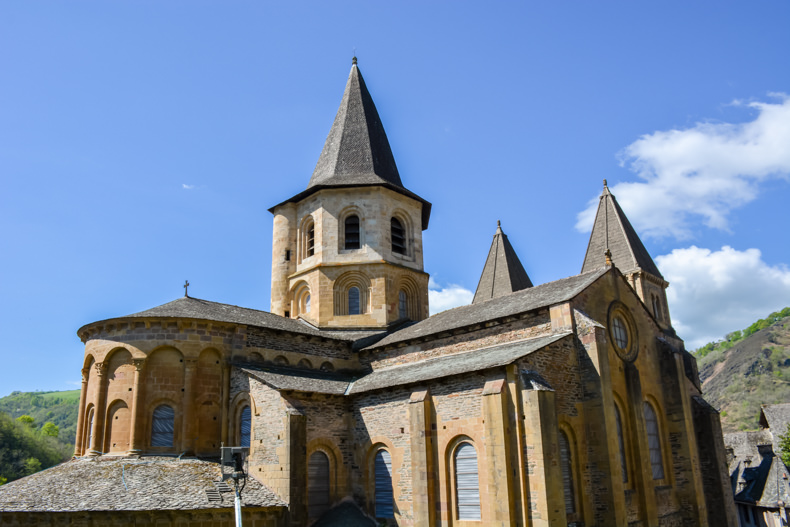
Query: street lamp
(232, 460)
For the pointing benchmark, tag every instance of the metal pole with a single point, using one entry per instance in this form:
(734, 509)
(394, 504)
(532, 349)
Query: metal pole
(237, 504)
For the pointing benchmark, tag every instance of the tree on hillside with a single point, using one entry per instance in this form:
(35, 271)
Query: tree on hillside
(27, 420)
(50, 429)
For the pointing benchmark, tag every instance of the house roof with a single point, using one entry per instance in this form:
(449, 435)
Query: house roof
(301, 380)
(128, 484)
(195, 308)
(454, 364)
(519, 302)
(776, 417)
(503, 273)
(357, 151)
(612, 231)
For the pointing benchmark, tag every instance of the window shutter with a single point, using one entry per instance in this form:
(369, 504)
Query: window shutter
(383, 476)
(398, 235)
(245, 426)
(162, 426)
(317, 484)
(567, 473)
(467, 485)
(353, 301)
(352, 232)
(654, 442)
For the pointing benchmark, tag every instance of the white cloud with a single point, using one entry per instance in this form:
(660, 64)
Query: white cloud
(187, 187)
(712, 293)
(443, 298)
(704, 171)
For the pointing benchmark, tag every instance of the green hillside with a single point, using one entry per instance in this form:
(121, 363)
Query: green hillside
(37, 431)
(747, 368)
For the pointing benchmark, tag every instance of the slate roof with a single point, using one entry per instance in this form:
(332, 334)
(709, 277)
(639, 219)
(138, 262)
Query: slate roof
(357, 151)
(127, 484)
(529, 299)
(764, 484)
(281, 378)
(448, 365)
(503, 273)
(188, 307)
(776, 417)
(614, 232)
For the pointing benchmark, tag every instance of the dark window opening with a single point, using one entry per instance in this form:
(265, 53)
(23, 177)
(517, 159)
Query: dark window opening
(287, 314)
(402, 305)
(287, 255)
(246, 426)
(398, 235)
(352, 233)
(310, 240)
(353, 301)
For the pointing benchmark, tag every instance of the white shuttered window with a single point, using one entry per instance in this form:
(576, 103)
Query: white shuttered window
(654, 441)
(467, 484)
(317, 484)
(382, 467)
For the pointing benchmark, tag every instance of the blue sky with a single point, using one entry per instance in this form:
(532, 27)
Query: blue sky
(141, 144)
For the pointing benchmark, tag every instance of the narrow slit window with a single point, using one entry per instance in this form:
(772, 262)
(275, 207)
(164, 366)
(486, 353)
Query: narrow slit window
(398, 235)
(467, 484)
(621, 441)
(383, 480)
(352, 233)
(654, 442)
(162, 426)
(310, 240)
(317, 484)
(353, 301)
(402, 305)
(245, 426)
(566, 463)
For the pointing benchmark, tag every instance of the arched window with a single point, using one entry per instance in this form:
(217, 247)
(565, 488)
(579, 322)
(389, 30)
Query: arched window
(654, 441)
(403, 307)
(245, 427)
(306, 238)
(656, 307)
(162, 426)
(89, 443)
(382, 467)
(352, 233)
(398, 235)
(310, 240)
(317, 484)
(566, 464)
(467, 484)
(353, 301)
(621, 443)
(307, 303)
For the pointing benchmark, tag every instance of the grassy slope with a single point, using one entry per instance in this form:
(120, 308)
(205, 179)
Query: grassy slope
(59, 408)
(748, 368)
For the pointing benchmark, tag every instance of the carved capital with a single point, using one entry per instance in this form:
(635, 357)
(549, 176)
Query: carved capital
(138, 364)
(85, 374)
(101, 368)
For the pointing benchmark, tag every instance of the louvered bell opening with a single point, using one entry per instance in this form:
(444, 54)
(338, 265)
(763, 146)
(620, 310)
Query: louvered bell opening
(467, 484)
(162, 426)
(398, 236)
(383, 492)
(654, 442)
(352, 233)
(353, 301)
(567, 474)
(311, 240)
(245, 426)
(317, 484)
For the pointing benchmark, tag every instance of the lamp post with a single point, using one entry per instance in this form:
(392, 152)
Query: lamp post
(233, 459)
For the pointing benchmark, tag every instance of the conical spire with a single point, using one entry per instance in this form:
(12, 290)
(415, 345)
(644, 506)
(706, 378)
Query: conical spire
(503, 273)
(356, 151)
(612, 233)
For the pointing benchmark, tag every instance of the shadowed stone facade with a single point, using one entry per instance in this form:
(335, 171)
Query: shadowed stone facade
(566, 403)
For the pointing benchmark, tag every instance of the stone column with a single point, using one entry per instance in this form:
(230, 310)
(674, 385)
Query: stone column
(78, 450)
(187, 405)
(99, 410)
(500, 475)
(422, 463)
(225, 401)
(136, 425)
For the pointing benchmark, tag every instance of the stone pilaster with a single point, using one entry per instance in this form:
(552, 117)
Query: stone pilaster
(136, 439)
(422, 463)
(643, 475)
(500, 476)
(188, 432)
(78, 446)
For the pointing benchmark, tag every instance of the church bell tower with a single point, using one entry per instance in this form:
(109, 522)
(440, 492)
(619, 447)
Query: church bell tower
(347, 251)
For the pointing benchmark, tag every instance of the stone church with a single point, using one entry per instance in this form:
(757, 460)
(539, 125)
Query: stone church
(569, 403)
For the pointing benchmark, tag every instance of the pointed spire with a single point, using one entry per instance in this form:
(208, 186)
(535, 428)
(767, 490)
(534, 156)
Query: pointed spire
(503, 273)
(614, 240)
(356, 151)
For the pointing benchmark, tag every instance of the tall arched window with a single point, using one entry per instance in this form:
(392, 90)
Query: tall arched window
(621, 443)
(403, 307)
(382, 467)
(352, 233)
(566, 464)
(162, 425)
(317, 484)
(467, 484)
(354, 307)
(307, 303)
(89, 443)
(310, 240)
(398, 235)
(654, 441)
(245, 427)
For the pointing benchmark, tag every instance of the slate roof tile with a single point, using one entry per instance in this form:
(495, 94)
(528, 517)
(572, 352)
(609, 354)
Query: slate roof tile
(503, 272)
